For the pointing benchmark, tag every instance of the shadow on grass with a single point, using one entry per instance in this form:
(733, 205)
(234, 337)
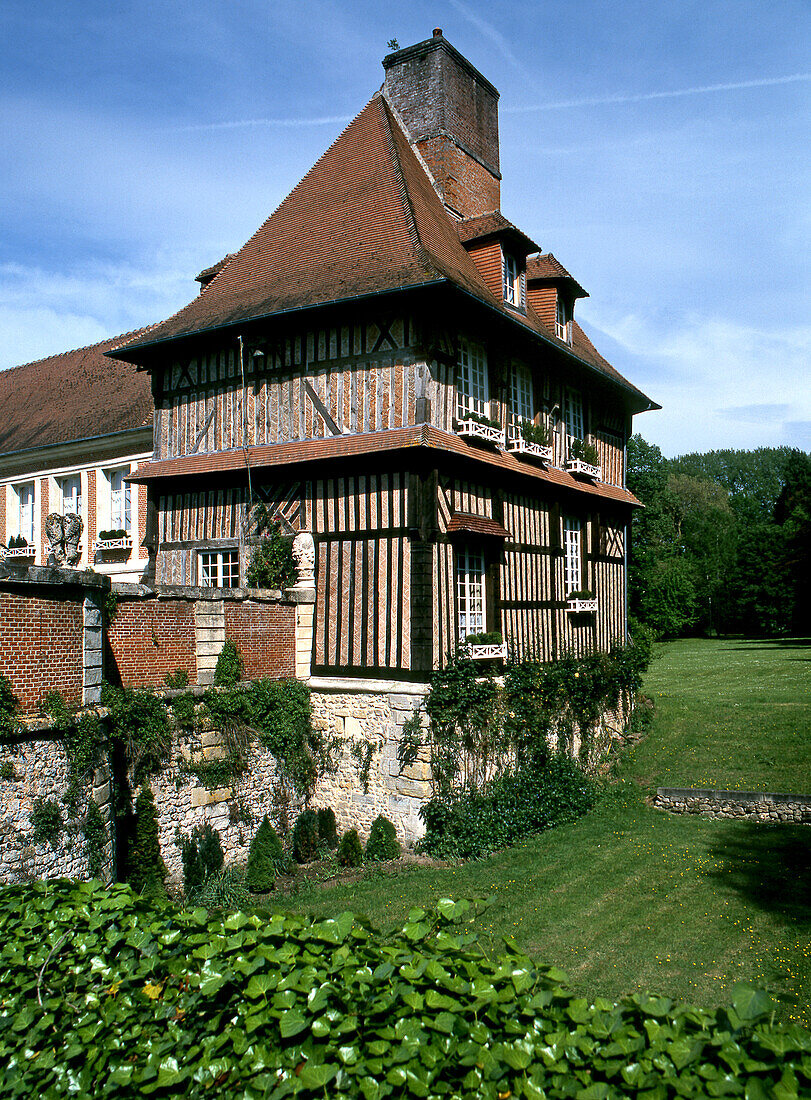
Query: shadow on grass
(768, 865)
(741, 645)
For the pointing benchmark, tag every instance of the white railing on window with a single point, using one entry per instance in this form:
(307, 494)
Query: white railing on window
(475, 430)
(113, 544)
(488, 652)
(536, 450)
(578, 466)
(580, 605)
(20, 552)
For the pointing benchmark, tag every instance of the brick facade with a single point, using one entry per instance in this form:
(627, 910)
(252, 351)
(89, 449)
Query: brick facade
(262, 633)
(42, 645)
(148, 638)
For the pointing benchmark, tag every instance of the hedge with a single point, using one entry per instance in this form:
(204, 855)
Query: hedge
(104, 994)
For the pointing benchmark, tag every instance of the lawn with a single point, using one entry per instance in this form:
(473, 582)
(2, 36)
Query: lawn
(629, 898)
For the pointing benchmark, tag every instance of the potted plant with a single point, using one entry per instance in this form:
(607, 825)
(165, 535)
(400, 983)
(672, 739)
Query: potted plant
(583, 459)
(488, 645)
(476, 426)
(534, 440)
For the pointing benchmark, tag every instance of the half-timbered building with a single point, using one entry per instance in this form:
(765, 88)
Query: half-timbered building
(395, 368)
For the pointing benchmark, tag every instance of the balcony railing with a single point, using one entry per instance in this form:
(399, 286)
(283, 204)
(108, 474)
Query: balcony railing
(579, 605)
(474, 430)
(488, 652)
(578, 466)
(532, 450)
(112, 544)
(21, 552)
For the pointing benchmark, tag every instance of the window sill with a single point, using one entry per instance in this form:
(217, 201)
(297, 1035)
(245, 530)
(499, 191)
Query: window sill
(530, 450)
(584, 469)
(473, 430)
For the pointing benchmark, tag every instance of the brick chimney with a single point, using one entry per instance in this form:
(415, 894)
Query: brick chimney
(451, 114)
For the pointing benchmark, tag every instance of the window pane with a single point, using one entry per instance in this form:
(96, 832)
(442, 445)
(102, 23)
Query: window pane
(473, 393)
(230, 569)
(574, 415)
(71, 492)
(520, 398)
(208, 570)
(120, 500)
(25, 499)
(571, 543)
(470, 591)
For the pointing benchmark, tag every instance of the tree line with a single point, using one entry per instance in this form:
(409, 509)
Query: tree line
(723, 544)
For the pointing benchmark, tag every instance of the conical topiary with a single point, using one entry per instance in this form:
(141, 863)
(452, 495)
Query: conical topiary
(327, 828)
(382, 842)
(350, 850)
(147, 871)
(264, 854)
(305, 837)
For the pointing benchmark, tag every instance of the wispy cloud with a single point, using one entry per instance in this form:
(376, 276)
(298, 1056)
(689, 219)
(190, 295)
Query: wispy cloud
(494, 36)
(641, 97)
(325, 120)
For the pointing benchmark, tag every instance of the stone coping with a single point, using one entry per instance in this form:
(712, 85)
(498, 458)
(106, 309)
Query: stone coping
(39, 575)
(356, 685)
(190, 592)
(683, 793)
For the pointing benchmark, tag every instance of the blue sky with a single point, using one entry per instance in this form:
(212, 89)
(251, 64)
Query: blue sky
(660, 150)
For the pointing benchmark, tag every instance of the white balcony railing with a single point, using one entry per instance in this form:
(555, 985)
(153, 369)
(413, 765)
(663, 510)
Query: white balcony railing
(578, 466)
(21, 552)
(488, 652)
(474, 430)
(112, 544)
(578, 606)
(533, 450)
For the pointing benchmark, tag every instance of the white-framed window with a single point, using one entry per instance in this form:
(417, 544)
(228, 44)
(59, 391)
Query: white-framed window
(571, 560)
(470, 591)
(120, 517)
(473, 395)
(574, 415)
(521, 399)
(218, 568)
(563, 320)
(70, 494)
(23, 510)
(513, 280)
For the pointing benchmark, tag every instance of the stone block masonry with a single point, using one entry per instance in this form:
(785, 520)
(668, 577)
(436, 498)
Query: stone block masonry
(792, 809)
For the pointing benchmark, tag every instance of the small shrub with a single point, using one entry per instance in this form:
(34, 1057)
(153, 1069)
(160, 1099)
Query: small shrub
(350, 850)
(382, 843)
(177, 679)
(305, 837)
(146, 871)
(201, 855)
(140, 722)
(228, 670)
(327, 828)
(46, 821)
(7, 770)
(272, 564)
(95, 838)
(183, 711)
(225, 889)
(265, 857)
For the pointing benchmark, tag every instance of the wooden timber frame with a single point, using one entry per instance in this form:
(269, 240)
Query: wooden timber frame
(386, 603)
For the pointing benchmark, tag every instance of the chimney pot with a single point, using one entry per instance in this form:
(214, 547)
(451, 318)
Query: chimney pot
(437, 32)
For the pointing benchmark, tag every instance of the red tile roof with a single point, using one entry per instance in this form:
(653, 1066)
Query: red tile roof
(348, 446)
(546, 268)
(364, 220)
(78, 394)
(476, 525)
(493, 225)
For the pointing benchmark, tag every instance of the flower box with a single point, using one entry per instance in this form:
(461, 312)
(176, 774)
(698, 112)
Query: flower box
(488, 652)
(579, 605)
(474, 430)
(585, 469)
(530, 450)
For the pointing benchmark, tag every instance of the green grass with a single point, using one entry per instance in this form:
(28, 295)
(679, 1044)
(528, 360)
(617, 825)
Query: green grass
(630, 898)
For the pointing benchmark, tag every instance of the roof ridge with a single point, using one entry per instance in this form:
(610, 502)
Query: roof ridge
(82, 347)
(402, 188)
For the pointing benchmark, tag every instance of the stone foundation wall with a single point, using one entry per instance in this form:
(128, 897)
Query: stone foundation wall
(38, 769)
(748, 805)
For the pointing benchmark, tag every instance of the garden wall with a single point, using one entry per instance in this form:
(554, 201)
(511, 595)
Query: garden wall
(51, 633)
(748, 805)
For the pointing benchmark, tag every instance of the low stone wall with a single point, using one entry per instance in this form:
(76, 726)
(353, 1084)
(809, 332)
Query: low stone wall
(748, 805)
(34, 766)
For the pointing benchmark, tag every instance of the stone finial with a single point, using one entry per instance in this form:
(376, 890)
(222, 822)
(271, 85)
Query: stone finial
(304, 557)
(55, 530)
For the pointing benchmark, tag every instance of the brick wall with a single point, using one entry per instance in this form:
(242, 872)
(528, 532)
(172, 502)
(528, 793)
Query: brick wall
(42, 647)
(150, 637)
(3, 527)
(264, 634)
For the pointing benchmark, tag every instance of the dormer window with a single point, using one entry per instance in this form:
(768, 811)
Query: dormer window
(514, 280)
(563, 319)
